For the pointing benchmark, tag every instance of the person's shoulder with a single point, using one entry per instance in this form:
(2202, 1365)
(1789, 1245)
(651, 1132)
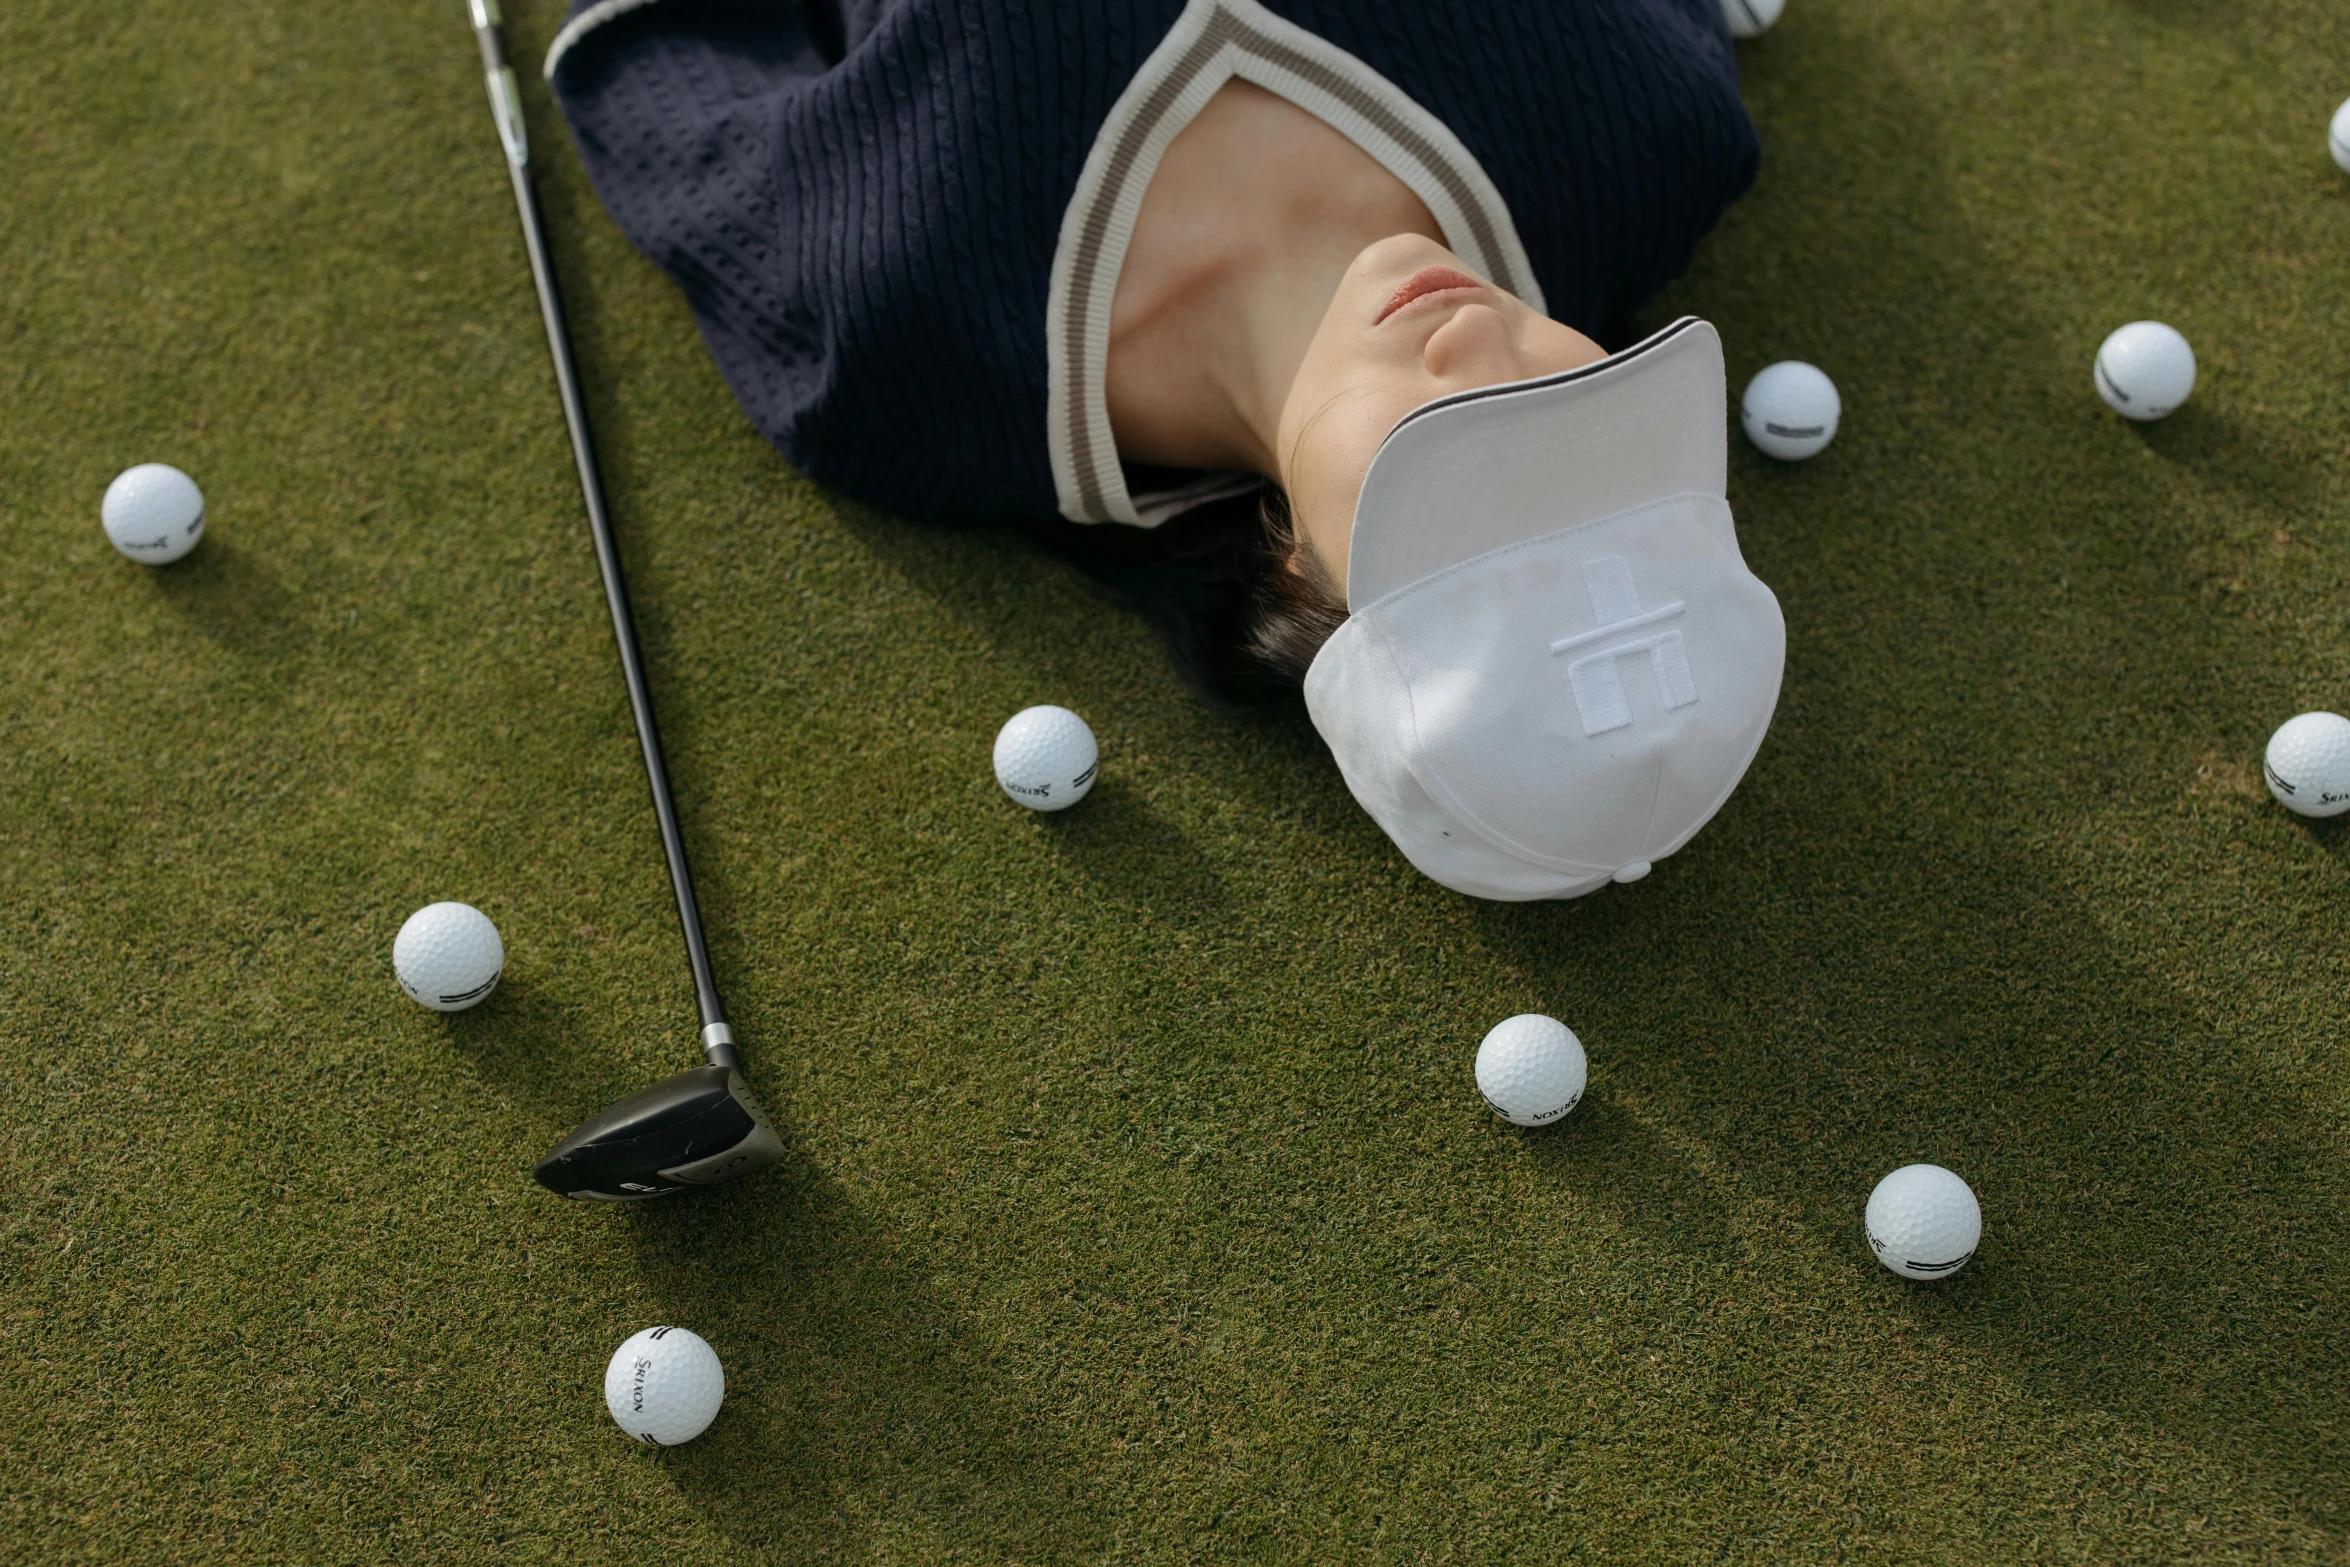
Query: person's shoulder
(730, 48)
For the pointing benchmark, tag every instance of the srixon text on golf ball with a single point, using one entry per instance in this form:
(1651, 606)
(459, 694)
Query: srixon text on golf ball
(664, 1386)
(1531, 1069)
(1045, 758)
(153, 513)
(2307, 765)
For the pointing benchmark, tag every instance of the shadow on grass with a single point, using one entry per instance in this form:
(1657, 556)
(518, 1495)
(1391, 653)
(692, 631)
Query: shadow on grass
(232, 596)
(1116, 840)
(860, 1420)
(1029, 607)
(2329, 836)
(1650, 1188)
(2230, 454)
(530, 1045)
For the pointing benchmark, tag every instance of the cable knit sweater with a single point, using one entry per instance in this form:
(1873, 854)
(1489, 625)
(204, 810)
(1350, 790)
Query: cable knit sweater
(899, 222)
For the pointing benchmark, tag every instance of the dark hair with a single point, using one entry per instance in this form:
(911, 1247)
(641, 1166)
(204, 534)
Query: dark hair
(1240, 602)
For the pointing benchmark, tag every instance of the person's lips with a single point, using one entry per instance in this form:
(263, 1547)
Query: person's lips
(1426, 281)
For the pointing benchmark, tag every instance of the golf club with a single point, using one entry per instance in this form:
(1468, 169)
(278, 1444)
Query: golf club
(701, 1126)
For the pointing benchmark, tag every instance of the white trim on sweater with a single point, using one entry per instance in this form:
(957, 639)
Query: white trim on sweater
(580, 26)
(1212, 42)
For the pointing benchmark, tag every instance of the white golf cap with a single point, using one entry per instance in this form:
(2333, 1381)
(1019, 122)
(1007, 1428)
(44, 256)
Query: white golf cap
(1556, 666)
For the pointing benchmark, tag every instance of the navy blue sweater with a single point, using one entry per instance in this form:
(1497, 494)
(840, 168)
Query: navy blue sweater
(862, 199)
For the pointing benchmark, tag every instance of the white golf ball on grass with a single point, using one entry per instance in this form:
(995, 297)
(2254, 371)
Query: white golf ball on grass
(448, 956)
(1751, 18)
(664, 1386)
(2338, 137)
(1046, 758)
(2307, 764)
(153, 513)
(2144, 370)
(1791, 410)
(1531, 1069)
(1923, 1222)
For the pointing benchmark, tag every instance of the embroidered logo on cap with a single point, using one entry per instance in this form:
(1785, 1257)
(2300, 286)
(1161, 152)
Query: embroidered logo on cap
(1596, 677)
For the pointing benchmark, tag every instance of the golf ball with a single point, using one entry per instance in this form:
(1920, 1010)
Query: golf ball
(2308, 764)
(2145, 370)
(1790, 410)
(448, 956)
(1531, 1069)
(153, 513)
(1045, 758)
(664, 1386)
(2338, 137)
(1923, 1222)
(1751, 18)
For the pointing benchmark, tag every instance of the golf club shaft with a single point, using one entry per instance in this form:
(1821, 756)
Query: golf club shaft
(506, 108)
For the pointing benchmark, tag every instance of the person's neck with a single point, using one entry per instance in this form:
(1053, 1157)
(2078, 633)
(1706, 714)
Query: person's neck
(1248, 225)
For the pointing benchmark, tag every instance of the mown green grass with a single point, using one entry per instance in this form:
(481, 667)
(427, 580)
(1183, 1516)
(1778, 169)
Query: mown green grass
(1140, 1205)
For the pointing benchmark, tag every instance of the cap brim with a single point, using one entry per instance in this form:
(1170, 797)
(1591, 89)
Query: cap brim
(1470, 473)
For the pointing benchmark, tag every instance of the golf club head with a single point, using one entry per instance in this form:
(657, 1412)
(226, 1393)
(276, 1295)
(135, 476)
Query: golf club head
(695, 1129)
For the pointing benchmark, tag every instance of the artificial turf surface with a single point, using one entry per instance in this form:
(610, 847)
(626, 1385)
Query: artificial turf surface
(1140, 1204)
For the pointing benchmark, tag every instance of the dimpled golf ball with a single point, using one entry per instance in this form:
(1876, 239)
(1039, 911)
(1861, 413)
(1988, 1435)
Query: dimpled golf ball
(448, 956)
(1531, 1069)
(1751, 18)
(2338, 137)
(153, 513)
(1045, 758)
(1923, 1222)
(664, 1386)
(2145, 370)
(2308, 764)
(1790, 410)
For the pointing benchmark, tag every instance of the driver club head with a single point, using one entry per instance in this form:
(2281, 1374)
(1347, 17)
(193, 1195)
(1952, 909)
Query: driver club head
(695, 1129)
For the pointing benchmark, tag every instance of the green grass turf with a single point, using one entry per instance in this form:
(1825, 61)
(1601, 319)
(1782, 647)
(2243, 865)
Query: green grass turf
(1140, 1204)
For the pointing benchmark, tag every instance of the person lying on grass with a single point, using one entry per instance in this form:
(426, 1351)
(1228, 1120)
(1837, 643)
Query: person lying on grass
(1290, 316)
